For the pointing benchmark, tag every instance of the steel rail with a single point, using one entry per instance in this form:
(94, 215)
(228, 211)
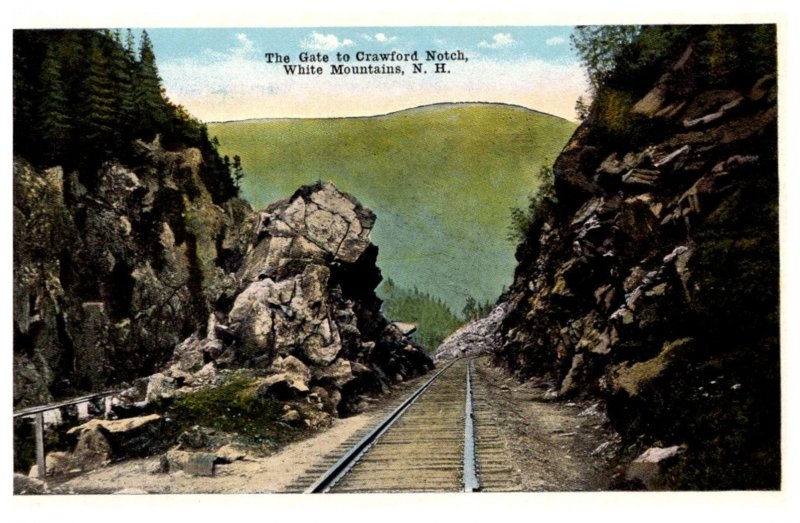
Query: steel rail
(325, 482)
(471, 481)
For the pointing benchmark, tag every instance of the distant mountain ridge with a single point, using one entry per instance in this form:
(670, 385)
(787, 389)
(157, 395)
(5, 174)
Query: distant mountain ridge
(390, 113)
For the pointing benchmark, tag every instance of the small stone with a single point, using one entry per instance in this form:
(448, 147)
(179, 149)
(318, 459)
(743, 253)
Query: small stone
(651, 463)
(601, 448)
(338, 373)
(28, 485)
(593, 411)
(159, 386)
(283, 386)
(191, 463)
(230, 453)
(291, 416)
(658, 290)
(56, 463)
(550, 395)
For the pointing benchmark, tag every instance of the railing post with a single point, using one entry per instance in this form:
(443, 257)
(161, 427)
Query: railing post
(40, 464)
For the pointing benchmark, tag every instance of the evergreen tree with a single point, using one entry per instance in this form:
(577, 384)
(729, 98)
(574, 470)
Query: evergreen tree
(599, 48)
(54, 120)
(24, 112)
(238, 170)
(151, 110)
(100, 112)
(121, 73)
(130, 46)
(81, 97)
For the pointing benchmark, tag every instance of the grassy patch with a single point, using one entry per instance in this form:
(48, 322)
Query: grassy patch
(235, 408)
(442, 180)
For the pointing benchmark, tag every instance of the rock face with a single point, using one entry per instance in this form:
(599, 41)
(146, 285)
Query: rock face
(481, 336)
(138, 270)
(143, 278)
(112, 271)
(136, 275)
(303, 309)
(652, 283)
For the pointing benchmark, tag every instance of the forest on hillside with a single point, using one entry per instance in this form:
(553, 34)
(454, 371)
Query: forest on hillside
(81, 97)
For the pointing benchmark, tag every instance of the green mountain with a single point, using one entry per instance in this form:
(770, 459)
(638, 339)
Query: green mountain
(442, 180)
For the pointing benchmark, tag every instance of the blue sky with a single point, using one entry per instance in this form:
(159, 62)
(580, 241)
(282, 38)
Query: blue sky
(221, 74)
(544, 42)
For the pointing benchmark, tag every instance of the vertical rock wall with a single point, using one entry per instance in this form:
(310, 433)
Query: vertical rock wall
(653, 281)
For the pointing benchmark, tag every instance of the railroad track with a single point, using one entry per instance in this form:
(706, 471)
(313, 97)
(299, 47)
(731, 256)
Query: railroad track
(440, 439)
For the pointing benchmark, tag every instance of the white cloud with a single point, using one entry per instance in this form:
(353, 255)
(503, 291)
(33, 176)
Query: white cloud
(555, 40)
(499, 40)
(245, 45)
(322, 42)
(380, 38)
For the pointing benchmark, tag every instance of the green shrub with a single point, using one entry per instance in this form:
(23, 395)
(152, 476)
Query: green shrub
(234, 407)
(524, 221)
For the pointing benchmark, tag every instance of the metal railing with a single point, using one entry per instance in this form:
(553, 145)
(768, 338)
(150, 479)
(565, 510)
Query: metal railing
(37, 413)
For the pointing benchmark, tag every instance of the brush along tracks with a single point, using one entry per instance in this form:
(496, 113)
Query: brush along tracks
(440, 439)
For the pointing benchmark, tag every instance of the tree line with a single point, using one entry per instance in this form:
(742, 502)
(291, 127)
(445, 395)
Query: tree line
(81, 97)
(434, 318)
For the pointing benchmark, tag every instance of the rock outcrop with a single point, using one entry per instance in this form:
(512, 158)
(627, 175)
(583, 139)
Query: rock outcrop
(481, 336)
(110, 273)
(303, 310)
(652, 282)
(139, 278)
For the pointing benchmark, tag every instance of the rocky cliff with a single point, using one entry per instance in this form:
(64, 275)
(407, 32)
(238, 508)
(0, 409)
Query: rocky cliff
(217, 324)
(108, 278)
(303, 310)
(144, 272)
(652, 280)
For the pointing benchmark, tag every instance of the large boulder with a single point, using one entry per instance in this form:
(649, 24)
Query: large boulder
(128, 437)
(303, 312)
(306, 310)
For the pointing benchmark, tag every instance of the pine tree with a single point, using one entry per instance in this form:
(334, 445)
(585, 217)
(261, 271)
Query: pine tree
(130, 46)
(100, 114)
(121, 74)
(238, 170)
(151, 111)
(24, 94)
(54, 120)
